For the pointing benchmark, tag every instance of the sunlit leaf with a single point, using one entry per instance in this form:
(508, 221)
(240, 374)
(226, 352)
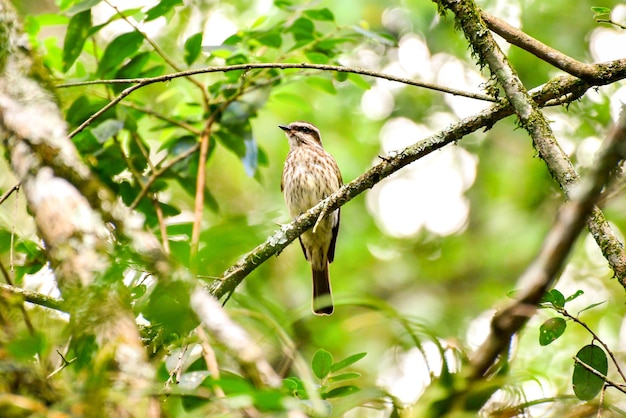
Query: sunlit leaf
(586, 384)
(320, 14)
(302, 29)
(271, 39)
(295, 387)
(348, 361)
(193, 46)
(78, 29)
(550, 330)
(382, 38)
(358, 81)
(601, 11)
(162, 8)
(26, 346)
(283, 4)
(593, 305)
(344, 376)
(268, 400)
(574, 295)
(340, 392)
(317, 58)
(321, 363)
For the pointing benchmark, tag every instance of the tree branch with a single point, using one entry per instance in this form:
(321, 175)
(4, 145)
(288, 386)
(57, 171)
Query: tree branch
(35, 298)
(557, 161)
(540, 50)
(50, 172)
(541, 274)
(559, 88)
(235, 338)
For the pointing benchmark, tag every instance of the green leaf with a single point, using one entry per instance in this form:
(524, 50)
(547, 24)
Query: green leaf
(271, 39)
(320, 14)
(136, 154)
(358, 81)
(118, 50)
(587, 385)
(302, 29)
(377, 37)
(593, 305)
(162, 8)
(283, 4)
(340, 392)
(193, 46)
(295, 387)
(269, 400)
(550, 330)
(132, 69)
(601, 10)
(322, 363)
(168, 306)
(574, 295)
(78, 30)
(322, 84)
(344, 376)
(26, 346)
(317, 57)
(341, 76)
(348, 361)
(555, 298)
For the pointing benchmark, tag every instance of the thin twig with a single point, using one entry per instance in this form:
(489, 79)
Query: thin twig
(199, 197)
(282, 66)
(162, 167)
(162, 54)
(164, 118)
(141, 82)
(209, 358)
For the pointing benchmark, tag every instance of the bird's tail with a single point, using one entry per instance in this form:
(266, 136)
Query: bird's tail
(322, 296)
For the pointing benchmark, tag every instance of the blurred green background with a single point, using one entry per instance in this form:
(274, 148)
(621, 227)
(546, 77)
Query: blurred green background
(441, 242)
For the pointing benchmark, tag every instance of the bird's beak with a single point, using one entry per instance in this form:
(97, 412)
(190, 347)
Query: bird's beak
(284, 127)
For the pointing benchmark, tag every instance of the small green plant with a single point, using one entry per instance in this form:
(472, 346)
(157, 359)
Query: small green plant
(591, 362)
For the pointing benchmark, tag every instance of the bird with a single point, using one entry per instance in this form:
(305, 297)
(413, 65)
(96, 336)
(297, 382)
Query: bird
(311, 174)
